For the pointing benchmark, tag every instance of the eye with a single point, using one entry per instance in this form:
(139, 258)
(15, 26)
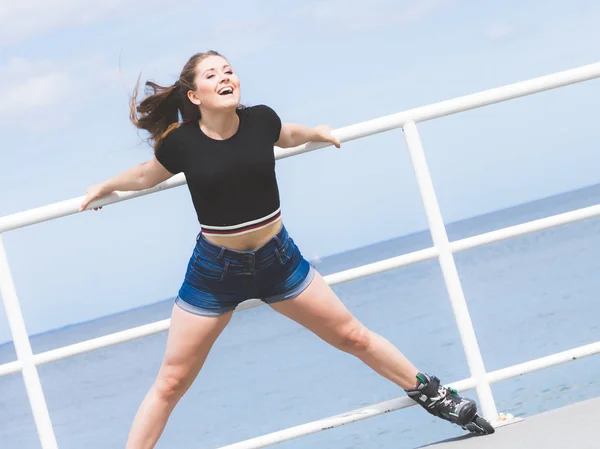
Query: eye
(210, 76)
(229, 72)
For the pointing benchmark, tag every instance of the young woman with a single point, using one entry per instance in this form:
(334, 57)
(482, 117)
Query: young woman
(243, 250)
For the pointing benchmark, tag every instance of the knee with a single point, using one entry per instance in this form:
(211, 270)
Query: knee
(170, 387)
(355, 338)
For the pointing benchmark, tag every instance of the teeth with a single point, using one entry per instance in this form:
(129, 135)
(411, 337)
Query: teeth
(227, 90)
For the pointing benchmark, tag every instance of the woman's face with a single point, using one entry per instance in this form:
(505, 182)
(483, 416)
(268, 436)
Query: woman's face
(217, 87)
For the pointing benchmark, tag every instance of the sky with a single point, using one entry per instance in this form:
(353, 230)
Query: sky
(67, 69)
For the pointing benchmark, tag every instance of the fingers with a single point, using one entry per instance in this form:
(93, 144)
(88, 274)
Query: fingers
(87, 202)
(84, 205)
(334, 140)
(329, 137)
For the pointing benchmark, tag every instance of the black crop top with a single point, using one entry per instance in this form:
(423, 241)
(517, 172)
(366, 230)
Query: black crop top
(232, 182)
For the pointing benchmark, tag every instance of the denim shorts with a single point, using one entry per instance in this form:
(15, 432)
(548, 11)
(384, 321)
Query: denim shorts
(218, 279)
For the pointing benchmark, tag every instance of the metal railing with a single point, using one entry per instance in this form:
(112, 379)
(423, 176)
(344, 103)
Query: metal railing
(443, 249)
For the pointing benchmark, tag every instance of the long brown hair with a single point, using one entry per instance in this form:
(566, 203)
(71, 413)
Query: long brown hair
(159, 112)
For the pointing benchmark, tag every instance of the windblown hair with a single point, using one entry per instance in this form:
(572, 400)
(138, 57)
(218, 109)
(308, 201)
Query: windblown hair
(160, 111)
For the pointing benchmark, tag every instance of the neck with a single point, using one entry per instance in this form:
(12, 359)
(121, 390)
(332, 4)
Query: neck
(219, 124)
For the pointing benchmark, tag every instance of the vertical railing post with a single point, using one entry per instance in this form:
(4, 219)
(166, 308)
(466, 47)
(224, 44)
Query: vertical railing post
(25, 354)
(453, 285)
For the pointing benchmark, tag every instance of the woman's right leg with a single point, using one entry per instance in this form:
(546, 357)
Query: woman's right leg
(189, 341)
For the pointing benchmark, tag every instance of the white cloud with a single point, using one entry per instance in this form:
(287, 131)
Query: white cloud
(30, 85)
(23, 19)
(35, 92)
(500, 32)
(42, 94)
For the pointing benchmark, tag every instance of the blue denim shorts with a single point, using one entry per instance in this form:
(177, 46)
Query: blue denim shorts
(218, 279)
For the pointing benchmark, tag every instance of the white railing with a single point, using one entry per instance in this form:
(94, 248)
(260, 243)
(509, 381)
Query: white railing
(443, 249)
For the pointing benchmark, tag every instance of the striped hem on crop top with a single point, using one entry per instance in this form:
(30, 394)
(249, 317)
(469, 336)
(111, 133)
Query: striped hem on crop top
(242, 228)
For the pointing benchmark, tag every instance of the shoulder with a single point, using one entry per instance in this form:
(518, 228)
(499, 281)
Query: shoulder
(178, 136)
(176, 139)
(181, 132)
(260, 110)
(170, 151)
(263, 108)
(262, 114)
(267, 120)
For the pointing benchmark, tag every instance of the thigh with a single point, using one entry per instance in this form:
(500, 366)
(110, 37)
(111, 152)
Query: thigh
(189, 341)
(318, 309)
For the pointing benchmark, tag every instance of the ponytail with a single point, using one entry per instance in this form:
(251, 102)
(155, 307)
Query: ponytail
(159, 112)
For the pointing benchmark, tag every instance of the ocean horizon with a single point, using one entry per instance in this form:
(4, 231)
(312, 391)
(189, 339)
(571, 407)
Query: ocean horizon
(529, 297)
(456, 230)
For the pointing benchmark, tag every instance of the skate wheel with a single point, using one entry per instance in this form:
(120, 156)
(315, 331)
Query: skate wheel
(480, 426)
(485, 425)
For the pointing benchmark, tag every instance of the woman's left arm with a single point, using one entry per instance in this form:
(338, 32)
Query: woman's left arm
(292, 135)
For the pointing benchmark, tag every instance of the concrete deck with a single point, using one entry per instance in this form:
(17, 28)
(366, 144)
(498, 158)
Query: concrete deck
(576, 426)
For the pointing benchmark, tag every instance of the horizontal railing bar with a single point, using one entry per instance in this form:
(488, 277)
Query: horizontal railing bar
(454, 106)
(500, 94)
(70, 207)
(404, 402)
(381, 266)
(11, 368)
(345, 134)
(525, 228)
(161, 326)
(101, 342)
(336, 421)
(543, 362)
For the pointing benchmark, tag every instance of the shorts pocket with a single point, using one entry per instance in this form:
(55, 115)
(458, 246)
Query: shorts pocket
(286, 252)
(207, 269)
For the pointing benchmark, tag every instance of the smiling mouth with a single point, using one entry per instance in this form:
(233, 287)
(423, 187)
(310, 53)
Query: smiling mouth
(226, 91)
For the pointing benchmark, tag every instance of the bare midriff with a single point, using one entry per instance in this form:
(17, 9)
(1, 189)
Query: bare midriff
(249, 241)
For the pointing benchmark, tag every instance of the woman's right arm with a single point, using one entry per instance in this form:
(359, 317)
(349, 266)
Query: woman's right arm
(139, 177)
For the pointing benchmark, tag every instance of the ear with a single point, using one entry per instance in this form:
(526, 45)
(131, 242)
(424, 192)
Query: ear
(193, 98)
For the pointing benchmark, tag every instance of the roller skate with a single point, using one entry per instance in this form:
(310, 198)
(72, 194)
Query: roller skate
(447, 404)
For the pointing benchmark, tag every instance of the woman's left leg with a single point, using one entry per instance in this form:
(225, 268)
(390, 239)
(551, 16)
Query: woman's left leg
(320, 310)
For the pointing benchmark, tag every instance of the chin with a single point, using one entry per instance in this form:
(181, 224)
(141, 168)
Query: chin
(230, 104)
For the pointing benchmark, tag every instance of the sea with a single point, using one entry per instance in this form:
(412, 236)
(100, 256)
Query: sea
(529, 297)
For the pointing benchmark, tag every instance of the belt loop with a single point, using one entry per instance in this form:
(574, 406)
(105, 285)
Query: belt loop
(284, 236)
(222, 253)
